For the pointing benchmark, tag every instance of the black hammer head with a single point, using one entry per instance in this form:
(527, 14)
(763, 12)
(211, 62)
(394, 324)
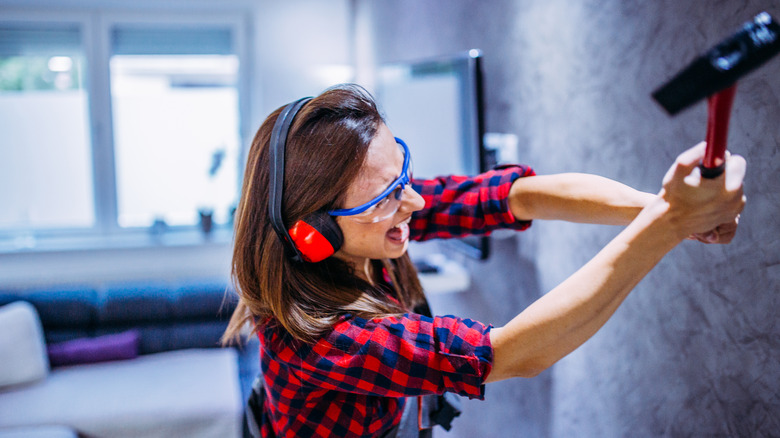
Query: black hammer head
(722, 66)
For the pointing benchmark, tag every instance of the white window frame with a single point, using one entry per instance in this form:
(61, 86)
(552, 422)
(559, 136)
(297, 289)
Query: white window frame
(96, 25)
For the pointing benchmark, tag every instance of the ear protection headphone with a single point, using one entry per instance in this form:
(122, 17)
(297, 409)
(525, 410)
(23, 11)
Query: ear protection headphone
(315, 237)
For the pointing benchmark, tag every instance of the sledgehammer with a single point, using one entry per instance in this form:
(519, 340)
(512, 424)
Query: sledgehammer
(714, 75)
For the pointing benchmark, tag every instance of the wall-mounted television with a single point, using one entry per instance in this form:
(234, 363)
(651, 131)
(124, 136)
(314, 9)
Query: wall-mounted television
(436, 106)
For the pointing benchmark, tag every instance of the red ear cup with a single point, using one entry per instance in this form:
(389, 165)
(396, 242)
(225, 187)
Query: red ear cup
(316, 237)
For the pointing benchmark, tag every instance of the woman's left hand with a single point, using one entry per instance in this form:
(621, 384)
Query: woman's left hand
(722, 234)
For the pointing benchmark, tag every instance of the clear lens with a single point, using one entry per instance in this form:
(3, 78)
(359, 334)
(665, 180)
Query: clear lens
(385, 209)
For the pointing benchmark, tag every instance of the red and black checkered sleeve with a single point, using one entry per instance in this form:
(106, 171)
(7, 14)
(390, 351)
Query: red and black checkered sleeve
(399, 356)
(456, 206)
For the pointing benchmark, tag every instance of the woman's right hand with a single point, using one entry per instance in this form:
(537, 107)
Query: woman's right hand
(697, 206)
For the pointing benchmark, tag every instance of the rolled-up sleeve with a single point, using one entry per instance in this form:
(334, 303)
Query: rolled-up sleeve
(400, 356)
(457, 206)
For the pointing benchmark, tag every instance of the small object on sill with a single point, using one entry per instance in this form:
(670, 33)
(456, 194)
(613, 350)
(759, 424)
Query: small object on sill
(206, 221)
(158, 228)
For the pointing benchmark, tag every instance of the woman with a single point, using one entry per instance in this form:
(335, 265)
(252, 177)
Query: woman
(347, 345)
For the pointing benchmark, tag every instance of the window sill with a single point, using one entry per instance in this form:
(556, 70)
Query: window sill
(135, 239)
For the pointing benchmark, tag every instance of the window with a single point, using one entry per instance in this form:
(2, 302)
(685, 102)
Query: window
(117, 127)
(45, 158)
(175, 111)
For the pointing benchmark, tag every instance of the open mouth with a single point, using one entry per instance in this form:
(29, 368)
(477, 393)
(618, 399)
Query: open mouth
(400, 232)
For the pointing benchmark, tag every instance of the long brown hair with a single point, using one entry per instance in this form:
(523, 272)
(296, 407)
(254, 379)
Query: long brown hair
(325, 151)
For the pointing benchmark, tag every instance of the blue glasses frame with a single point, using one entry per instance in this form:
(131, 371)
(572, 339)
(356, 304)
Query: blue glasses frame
(402, 181)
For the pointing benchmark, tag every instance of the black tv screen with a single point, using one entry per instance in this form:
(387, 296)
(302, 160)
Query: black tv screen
(436, 106)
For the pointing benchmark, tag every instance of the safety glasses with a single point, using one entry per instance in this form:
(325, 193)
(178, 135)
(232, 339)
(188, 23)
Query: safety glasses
(388, 202)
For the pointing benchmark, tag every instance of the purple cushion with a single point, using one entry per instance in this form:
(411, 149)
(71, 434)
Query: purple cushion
(100, 349)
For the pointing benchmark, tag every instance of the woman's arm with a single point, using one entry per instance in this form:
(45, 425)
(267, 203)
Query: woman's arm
(576, 197)
(457, 206)
(567, 316)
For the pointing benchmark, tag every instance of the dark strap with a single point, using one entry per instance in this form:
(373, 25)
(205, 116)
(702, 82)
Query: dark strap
(447, 408)
(254, 409)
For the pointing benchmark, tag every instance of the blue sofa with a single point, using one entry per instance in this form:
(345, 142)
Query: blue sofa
(180, 375)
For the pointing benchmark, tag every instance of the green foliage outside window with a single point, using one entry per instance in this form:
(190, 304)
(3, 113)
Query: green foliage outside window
(28, 73)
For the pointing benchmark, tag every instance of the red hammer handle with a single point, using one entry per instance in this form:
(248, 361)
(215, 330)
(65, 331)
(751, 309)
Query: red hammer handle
(719, 111)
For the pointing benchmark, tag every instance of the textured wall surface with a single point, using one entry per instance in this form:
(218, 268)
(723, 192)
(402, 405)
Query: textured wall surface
(695, 349)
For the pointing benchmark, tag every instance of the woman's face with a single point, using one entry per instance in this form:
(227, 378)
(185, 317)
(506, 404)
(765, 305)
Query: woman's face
(388, 238)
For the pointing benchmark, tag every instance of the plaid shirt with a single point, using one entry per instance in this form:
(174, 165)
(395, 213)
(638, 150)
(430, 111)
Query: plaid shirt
(355, 380)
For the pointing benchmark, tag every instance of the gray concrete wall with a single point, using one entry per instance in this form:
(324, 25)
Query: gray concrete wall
(695, 349)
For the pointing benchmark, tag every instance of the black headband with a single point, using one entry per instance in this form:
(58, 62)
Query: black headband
(276, 178)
